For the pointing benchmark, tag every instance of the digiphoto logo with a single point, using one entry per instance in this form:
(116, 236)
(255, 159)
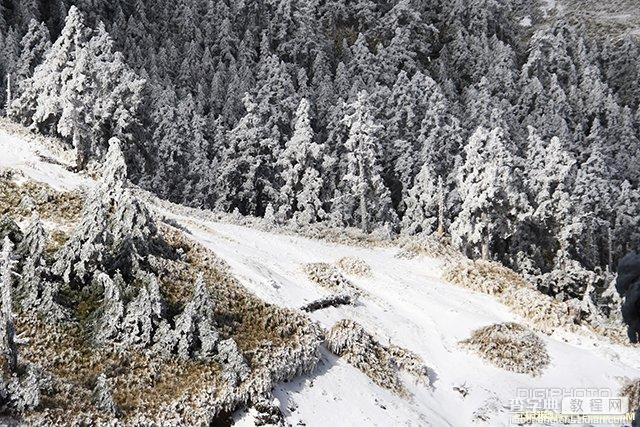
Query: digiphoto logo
(570, 406)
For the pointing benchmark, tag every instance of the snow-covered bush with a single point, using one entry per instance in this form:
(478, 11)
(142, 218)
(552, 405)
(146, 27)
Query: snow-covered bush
(483, 276)
(8, 347)
(427, 245)
(355, 266)
(194, 332)
(330, 278)
(570, 281)
(382, 364)
(23, 393)
(546, 313)
(31, 251)
(235, 368)
(267, 411)
(510, 346)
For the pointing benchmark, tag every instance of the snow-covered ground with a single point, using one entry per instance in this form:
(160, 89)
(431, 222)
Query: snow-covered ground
(406, 303)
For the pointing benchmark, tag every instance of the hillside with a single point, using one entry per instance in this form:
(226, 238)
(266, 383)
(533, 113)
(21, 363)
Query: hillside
(404, 302)
(610, 19)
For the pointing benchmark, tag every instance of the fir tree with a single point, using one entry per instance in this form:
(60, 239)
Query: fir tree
(365, 189)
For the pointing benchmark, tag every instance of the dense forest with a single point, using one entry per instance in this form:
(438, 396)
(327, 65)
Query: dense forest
(514, 133)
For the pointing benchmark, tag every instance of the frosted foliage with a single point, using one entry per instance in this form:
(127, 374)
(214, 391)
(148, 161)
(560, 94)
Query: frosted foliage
(143, 313)
(235, 368)
(112, 310)
(422, 203)
(302, 181)
(364, 184)
(24, 393)
(546, 313)
(82, 88)
(31, 250)
(631, 390)
(194, 332)
(493, 201)
(510, 346)
(103, 396)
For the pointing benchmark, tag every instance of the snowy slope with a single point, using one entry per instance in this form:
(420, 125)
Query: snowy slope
(412, 307)
(407, 303)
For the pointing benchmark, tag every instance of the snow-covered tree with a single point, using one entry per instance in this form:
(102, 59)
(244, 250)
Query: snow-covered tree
(84, 91)
(195, 331)
(103, 396)
(31, 250)
(299, 163)
(490, 187)
(7, 329)
(116, 231)
(424, 202)
(364, 187)
(34, 45)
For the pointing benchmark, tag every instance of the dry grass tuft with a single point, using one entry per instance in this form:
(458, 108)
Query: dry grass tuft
(632, 391)
(21, 200)
(430, 246)
(382, 364)
(330, 278)
(487, 277)
(545, 312)
(354, 266)
(510, 346)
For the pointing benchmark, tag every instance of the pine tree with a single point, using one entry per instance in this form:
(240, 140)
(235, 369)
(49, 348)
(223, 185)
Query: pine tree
(31, 250)
(116, 231)
(491, 191)
(83, 90)
(423, 203)
(299, 163)
(34, 45)
(364, 187)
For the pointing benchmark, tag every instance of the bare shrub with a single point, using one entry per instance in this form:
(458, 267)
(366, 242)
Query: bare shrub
(335, 300)
(510, 346)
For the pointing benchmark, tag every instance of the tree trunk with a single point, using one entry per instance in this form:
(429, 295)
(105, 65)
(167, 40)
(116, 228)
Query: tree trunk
(364, 214)
(440, 209)
(9, 96)
(485, 238)
(81, 157)
(485, 248)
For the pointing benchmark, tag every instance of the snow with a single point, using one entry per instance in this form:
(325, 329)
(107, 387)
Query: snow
(408, 304)
(27, 156)
(405, 302)
(526, 22)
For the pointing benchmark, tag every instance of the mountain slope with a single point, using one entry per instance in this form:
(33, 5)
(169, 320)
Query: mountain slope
(404, 302)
